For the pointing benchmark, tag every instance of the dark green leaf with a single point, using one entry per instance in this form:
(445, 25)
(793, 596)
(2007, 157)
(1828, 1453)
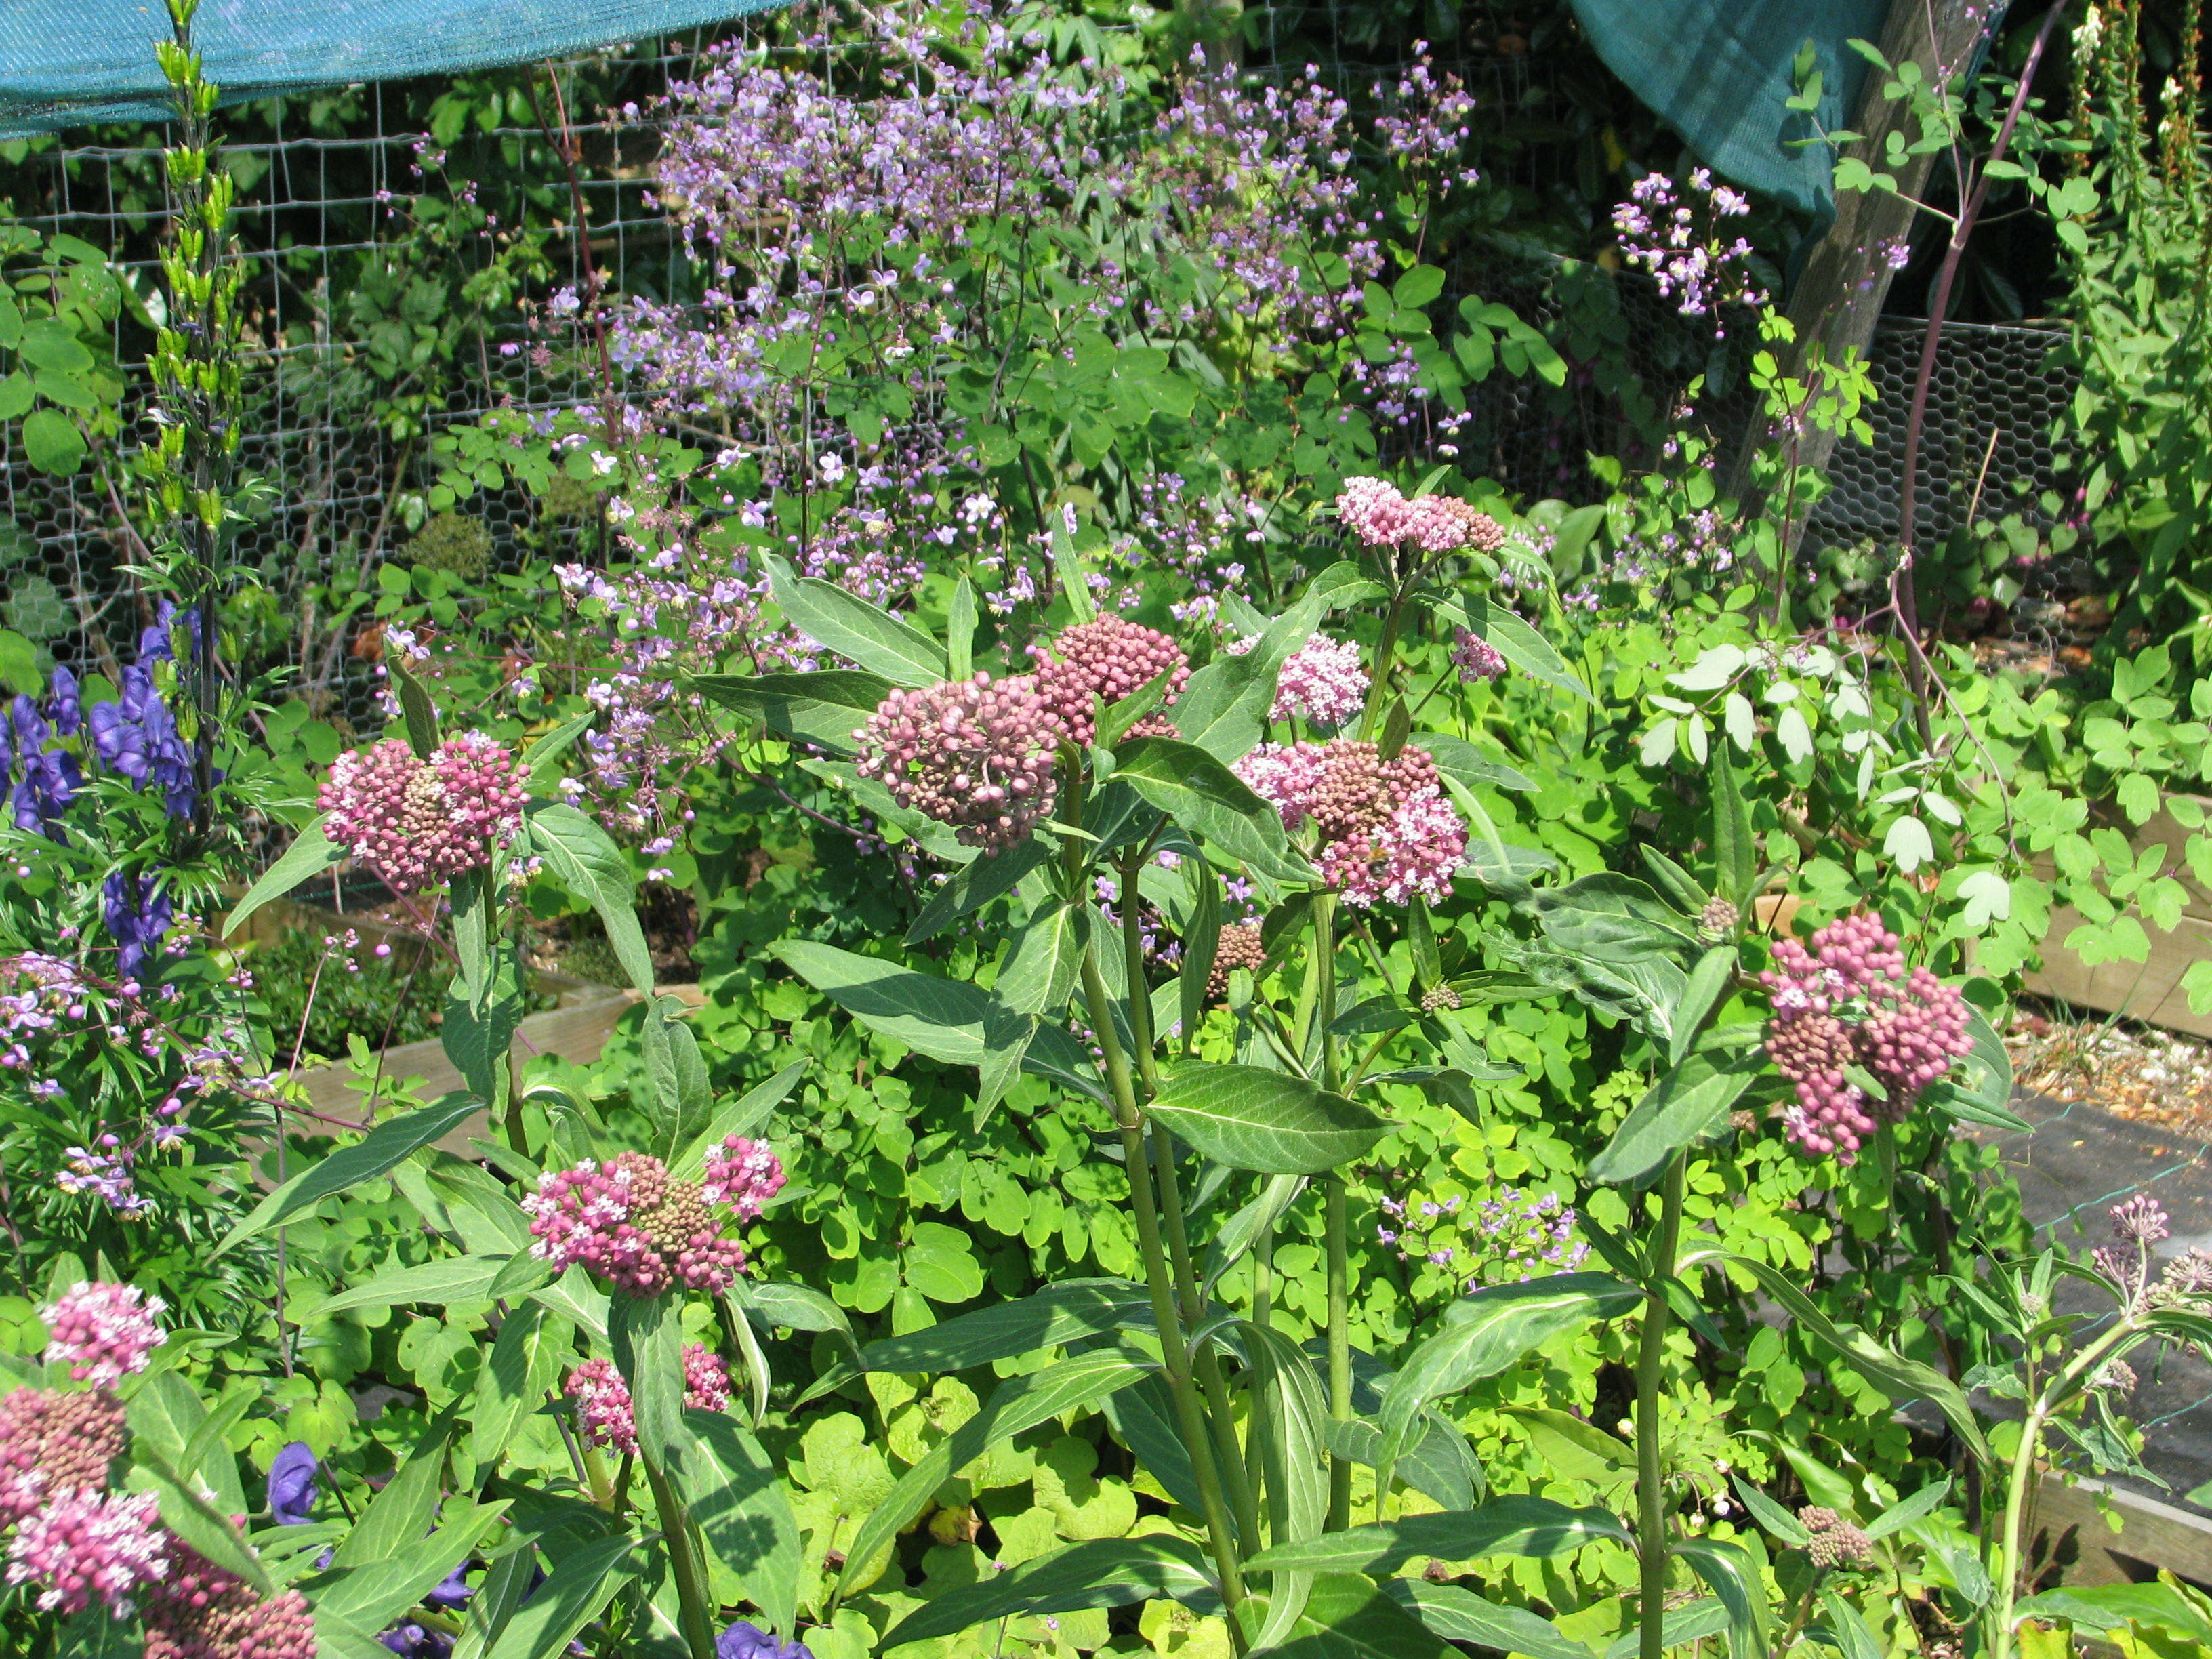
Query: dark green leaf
(1105, 1572)
(1223, 709)
(523, 1362)
(1456, 757)
(1345, 1617)
(194, 1520)
(578, 1584)
(1513, 640)
(1709, 982)
(1614, 919)
(974, 886)
(51, 442)
(1535, 1528)
(646, 1336)
(1736, 851)
(734, 1494)
(1460, 1615)
(1734, 1577)
(380, 1151)
(825, 709)
(1683, 1105)
(440, 1283)
(848, 625)
(1204, 798)
(1039, 973)
(1057, 1314)
(403, 1511)
(1249, 1118)
(585, 859)
(419, 713)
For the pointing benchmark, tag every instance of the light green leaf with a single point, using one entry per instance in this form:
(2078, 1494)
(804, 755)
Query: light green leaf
(1513, 640)
(523, 1362)
(447, 1279)
(1223, 709)
(1460, 1615)
(311, 853)
(1057, 1314)
(194, 1520)
(383, 1148)
(646, 1336)
(400, 1513)
(1018, 1403)
(53, 442)
(1250, 1118)
(1345, 1617)
(578, 1584)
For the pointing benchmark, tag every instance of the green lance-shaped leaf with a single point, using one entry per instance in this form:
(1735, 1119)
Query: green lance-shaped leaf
(1243, 1229)
(673, 1091)
(1707, 985)
(2102, 1608)
(523, 1362)
(824, 709)
(1472, 766)
(960, 631)
(385, 1146)
(647, 1340)
(311, 855)
(1735, 849)
(1057, 1314)
(1212, 803)
(1979, 1089)
(1513, 640)
(1224, 707)
(372, 1594)
(740, 1117)
(1900, 1378)
(194, 1520)
(943, 1019)
(1039, 973)
(416, 709)
(543, 757)
(578, 1584)
(1250, 1118)
(1483, 1334)
(1534, 1528)
(1734, 1577)
(1104, 1572)
(480, 1024)
(1685, 1104)
(974, 886)
(1460, 1615)
(403, 1511)
(584, 858)
(862, 632)
(732, 1491)
(1201, 944)
(1018, 1403)
(441, 1283)
(1343, 1616)
(1692, 1622)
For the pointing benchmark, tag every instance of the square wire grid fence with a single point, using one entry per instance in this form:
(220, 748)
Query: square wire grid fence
(320, 210)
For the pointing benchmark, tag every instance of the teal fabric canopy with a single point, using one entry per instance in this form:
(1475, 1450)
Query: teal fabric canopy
(1720, 73)
(64, 62)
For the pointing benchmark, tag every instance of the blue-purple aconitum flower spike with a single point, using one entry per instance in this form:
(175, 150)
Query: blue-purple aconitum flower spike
(291, 1484)
(744, 1641)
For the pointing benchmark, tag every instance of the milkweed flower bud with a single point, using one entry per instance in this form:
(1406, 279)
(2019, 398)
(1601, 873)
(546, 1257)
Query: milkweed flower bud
(199, 1611)
(1240, 947)
(1106, 661)
(1850, 1001)
(604, 1412)
(1322, 681)
(1476, 658)
(103, 1332)
(53, 1443)
(975, 754)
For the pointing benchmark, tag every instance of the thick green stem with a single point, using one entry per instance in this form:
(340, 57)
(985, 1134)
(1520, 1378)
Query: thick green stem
(694, 1611)
(1320, 997)
(1210, 1379)
(1651, 1372)
(1173, 1355)
(1263, 1427)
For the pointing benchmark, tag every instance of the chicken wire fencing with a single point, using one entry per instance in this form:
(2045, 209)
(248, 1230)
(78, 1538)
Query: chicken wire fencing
(344, 480)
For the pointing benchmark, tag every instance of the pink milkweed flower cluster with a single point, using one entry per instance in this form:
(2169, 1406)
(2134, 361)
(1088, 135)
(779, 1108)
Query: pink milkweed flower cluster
(1850, 1002)
(1476, 658)
(1375, 512)
(418, 823)
(643, 1231)
(103, 1332)
(53, 1443)
(603, 1400)
(1103, 661)
(977, 754)
(1660, 231)
(198, 1610)
(82, 1547)
(1385, 833)
(1323, 682)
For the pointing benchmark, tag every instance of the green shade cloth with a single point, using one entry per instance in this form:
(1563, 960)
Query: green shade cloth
(1720, 73)
(65, 62)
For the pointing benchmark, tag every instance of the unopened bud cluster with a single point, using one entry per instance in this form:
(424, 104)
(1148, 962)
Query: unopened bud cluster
(633, 1225)
(1852, 1002)
(1240, 946)
(1835, 1541)
(418, 823)
(1097, 664)
(976, 754)
(603, 1402)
